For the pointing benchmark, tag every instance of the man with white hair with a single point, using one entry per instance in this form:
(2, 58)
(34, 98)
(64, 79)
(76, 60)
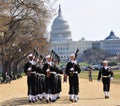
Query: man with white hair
(72, 70)
(106, 74)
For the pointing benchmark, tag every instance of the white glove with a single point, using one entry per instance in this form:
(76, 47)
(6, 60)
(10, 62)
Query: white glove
(72, 69)
(111, 78)
(48, 70)
(29, 69)
(75, 62)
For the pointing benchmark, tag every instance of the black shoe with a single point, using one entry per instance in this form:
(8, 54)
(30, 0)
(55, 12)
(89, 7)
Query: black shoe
(33, 101)
(50, 99)
(71, 100)
(58, 97)
(76, 100)
(47, 101)
(40, 99)
(30, 101)
(53, 100)
(106, 97)
(36, 100)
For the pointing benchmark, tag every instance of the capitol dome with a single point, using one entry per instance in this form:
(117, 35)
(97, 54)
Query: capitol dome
(60, 29)
(112, 36)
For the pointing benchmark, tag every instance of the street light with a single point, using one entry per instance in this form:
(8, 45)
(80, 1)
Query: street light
(2, 38)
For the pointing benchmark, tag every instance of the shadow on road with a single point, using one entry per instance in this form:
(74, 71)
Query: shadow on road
(15, 102)
(91, 98)
(24, 101)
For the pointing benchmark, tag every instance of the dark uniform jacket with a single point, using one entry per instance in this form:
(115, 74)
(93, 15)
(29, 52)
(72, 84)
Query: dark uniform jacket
(105, 73)
(28, 65)
(47, 66)
(39, 69)
(70, 65)
(58, 69)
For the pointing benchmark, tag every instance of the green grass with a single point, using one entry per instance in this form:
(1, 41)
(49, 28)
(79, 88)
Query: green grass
(84, 74)
(84, 64)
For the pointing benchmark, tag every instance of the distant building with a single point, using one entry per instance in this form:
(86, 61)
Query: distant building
(61, 40)
(111, 44)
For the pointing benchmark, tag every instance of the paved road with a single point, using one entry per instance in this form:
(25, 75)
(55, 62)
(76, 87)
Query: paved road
(15, 94)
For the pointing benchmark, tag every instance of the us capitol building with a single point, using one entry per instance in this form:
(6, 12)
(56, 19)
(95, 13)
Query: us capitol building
(61, 40)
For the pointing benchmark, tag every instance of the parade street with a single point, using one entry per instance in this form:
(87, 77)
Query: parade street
(91, 94)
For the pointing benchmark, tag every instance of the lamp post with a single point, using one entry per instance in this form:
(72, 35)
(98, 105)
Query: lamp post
(2, 38)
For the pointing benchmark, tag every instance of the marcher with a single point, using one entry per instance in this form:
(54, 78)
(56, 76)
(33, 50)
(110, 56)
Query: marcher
(30, 70)
(58, 84)
(52, 80)
(40, 86)
(72, 70)
(47, 70)
(106, 74)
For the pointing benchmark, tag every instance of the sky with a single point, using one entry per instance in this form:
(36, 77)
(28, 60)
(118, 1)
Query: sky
(91, 19)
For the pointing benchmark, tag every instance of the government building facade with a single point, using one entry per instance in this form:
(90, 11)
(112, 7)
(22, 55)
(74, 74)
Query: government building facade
(61, 40)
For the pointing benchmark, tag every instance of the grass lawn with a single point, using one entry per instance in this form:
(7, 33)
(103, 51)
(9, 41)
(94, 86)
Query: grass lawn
(84, 74)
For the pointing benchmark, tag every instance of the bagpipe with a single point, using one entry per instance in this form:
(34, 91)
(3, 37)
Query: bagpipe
(39, 56)
(55, 60)
(76, 54)
(55, 57)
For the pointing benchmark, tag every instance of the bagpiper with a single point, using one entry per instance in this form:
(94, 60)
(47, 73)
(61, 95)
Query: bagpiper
(72, 70)
(30, 71)
(40, 87)
(48, 70)
(56, 82)
(106, 74)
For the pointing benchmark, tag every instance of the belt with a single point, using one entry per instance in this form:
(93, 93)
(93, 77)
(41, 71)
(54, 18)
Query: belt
(53, 72)
(40, 74)
(74, 72)
(106, 76)
(33, 72)
(58, 74)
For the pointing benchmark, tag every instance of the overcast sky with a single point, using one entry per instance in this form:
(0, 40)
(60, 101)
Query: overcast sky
(91, 19)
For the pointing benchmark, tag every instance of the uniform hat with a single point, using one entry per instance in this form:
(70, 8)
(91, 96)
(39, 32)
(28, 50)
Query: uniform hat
(72, 55)
(105, 61)
(30, 55)
(48, 56)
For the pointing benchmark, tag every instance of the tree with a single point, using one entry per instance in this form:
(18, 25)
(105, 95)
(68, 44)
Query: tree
(24, 24)
(95, 55)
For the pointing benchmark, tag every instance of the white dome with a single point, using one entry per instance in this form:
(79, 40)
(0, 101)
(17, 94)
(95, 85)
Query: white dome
(60, 28)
